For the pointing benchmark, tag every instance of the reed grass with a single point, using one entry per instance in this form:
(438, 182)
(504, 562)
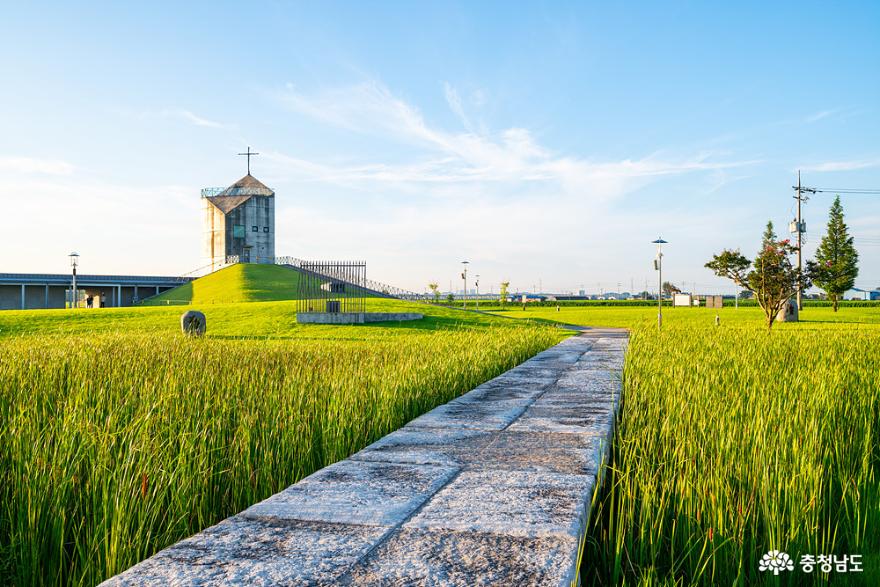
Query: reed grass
(732, 442)
(114, 446)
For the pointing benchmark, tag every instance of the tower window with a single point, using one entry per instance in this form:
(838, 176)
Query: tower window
(265, 229)
(256, 229)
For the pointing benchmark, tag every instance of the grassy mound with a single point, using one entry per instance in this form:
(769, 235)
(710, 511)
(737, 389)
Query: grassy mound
(242, 282)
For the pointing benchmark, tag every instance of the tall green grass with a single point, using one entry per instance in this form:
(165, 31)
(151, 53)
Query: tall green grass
(113, 446)
(732, 442)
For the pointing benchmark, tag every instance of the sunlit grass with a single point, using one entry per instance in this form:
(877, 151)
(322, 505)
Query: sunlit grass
(732, 442)
(120, 436)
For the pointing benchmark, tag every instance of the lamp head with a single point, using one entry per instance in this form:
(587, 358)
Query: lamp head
(74, 257)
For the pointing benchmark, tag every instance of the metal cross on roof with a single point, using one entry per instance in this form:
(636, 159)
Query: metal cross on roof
(249, 154)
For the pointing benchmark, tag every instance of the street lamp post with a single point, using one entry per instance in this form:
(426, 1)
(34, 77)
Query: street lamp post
(74, 259)
(464, 279)
(658, 265)
(477, 287)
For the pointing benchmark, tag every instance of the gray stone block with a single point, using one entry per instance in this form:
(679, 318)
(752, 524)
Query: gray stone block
(355, 317)
(489, 415)
(570, 421)
(451, 447)
(414, 556)
(509, 503)
(239, 551)
(355, 492)
(193, 323)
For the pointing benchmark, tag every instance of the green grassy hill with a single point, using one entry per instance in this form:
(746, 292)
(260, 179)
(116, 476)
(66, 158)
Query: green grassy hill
(242, 282)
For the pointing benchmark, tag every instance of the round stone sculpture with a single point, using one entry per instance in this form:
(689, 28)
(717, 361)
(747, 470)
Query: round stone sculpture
(193, 323)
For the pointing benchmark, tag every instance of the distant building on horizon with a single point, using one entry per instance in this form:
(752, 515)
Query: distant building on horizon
(239, 223)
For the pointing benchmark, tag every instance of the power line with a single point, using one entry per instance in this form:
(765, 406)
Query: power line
(844, 191)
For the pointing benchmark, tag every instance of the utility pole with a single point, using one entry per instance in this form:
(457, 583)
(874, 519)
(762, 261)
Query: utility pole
(658, 265)
(801, 228)
(799, 198)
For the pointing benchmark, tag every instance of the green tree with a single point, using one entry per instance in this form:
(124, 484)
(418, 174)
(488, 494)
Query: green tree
(435, 290)
(502, 294)
(669, 289)
(450, 298)
(772, 278)
(837, 261)
(769, 236)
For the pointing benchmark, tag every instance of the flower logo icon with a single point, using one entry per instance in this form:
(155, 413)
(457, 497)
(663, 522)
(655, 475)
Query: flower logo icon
(776, 561)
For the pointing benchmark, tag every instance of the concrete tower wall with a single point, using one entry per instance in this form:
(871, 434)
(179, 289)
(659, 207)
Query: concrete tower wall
(215, 235)
(250, 230)
(239, 222)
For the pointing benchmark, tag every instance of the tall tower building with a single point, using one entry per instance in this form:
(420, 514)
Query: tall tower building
(239, 223)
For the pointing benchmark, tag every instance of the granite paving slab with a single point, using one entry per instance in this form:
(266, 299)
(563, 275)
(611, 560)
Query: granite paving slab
(239, 551)
(439, 558)
(356, 492)
(524, 503)
(492, 488)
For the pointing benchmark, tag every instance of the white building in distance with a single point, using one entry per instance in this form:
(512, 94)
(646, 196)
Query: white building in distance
(239, 223)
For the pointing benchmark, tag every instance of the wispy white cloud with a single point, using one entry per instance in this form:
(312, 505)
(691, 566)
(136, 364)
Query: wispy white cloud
(512, 157)
(503, 197)
(817, 116)
(839, 114)
(187, 116)
(29, 165)
(198, 120)
(454, 102)
(849, 165)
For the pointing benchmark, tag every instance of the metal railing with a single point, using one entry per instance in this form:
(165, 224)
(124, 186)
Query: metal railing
(108, 279)
(210, 192)
(371, 285)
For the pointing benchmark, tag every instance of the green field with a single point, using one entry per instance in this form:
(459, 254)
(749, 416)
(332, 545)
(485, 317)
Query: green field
(732, 442)
(120, 436)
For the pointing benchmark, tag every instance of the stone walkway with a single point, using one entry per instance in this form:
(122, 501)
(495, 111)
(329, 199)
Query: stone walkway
(493, 488)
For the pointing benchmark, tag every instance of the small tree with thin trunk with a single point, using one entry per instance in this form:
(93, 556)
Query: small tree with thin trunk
(837, 261)
(771, 278)
(435, 291)
(503, 293)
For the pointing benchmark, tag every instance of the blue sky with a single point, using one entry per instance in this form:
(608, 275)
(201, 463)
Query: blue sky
(546, 143)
